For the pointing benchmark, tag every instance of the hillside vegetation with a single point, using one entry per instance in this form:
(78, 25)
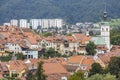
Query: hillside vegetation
(70, 10)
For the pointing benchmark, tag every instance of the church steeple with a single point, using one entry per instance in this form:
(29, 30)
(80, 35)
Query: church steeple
(105, 14)
(105, 29)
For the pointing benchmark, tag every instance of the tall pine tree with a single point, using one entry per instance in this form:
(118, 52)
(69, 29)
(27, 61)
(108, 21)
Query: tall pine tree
(40, 72)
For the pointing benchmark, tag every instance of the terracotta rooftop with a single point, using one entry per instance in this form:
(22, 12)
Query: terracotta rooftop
(17, 65)
(54, 68)
(75, 59)
(106, 57)
(82, 38)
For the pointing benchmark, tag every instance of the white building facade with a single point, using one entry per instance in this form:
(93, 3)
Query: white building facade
(105, 33)
(34, 23)
(46, 23)
(23, 23)
(14, 22)
(30, 53)
(37, 23)
(6, 24)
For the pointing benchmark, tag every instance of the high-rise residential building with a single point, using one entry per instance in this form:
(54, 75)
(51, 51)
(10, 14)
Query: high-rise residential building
(34, 23)
(28, 25)
(59, 23)
(37, 23)
(48, 23)
(45, 23)
(14, 22)
(23, 23)
(52, 22)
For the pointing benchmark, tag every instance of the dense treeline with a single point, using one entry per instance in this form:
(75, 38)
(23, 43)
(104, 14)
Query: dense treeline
(115, 36)
(70, 10)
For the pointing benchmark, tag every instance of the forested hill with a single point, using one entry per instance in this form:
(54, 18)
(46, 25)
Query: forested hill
(70, 10)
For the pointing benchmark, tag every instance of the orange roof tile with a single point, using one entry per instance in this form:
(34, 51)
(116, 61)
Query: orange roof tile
(54, 68)
(70, 38)
(17, 65)
(32, 40)
(88, 60)
(82, 38)
(75, 59)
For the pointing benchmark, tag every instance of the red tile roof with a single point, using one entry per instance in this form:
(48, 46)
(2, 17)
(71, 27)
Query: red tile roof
(17, 65)
(54, 68)
(82, 38)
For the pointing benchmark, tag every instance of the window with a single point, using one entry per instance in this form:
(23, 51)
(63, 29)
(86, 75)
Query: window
(14, 74)
(25, 56)
(106, 29)
(28, 56)
(64, 78)
(84, 68)
(31, 56)
(66, 51)
(102, 29)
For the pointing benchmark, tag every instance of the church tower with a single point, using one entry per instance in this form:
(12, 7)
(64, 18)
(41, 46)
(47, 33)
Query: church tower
(105, 30)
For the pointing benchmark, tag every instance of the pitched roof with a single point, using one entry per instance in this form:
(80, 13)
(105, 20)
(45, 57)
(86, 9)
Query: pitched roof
(60, 60)
(80, 60)
(70, 38)
(88, 60)
(82, 38)
(17, 65)
(105, 58)
(75, 59)
(54, 68)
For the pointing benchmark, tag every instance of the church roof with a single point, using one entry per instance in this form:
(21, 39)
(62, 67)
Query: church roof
(98, 40)
(105, 23)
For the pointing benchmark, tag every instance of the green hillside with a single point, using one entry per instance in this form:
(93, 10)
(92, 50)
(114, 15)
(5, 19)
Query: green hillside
(70, 10)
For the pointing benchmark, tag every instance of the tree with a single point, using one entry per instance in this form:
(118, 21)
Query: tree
(109, 77)
(115, 39)
(119, 76)
(105, 70)
(47, 34)
(102, 77)
(41, 53)
(90, 48)
(114, 66)
(20, 56)
(30, 76)
(79, 75)
(96, 68)
(115, 36)
(91, 33)
(96, 77)
(40, 72)
(51, 53)
(7, 58)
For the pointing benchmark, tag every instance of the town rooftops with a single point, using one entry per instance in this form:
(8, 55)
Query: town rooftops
(81, 59)
(82, 38)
